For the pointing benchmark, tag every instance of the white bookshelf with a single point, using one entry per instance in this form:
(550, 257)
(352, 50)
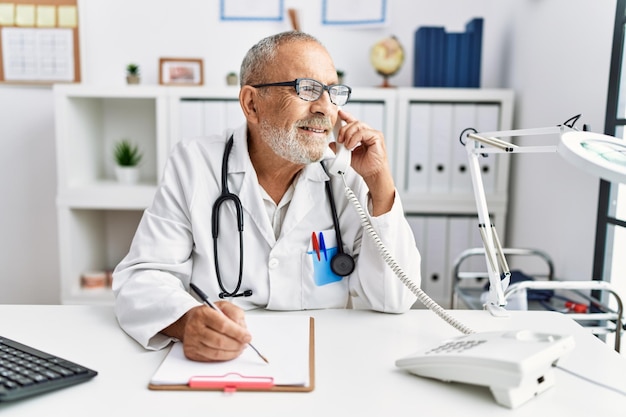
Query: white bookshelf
(97, 216)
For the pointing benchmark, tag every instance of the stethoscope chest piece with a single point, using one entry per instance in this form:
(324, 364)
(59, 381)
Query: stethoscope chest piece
(342, 264)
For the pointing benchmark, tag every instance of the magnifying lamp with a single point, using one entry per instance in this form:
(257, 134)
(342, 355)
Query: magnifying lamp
(601, 155)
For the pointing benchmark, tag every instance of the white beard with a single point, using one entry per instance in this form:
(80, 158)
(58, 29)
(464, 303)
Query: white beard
(288, 144)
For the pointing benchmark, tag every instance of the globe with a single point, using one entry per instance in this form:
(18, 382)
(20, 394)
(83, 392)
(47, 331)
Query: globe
(387, 57)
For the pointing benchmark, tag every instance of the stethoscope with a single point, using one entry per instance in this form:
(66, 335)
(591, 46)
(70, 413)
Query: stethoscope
(341, 263)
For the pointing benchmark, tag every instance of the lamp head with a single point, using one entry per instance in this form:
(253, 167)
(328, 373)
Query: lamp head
(600, 155)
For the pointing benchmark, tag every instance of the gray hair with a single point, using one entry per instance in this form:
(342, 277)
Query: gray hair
(256, 61)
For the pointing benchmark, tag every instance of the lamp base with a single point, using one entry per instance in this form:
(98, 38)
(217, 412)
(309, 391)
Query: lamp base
(496, 311)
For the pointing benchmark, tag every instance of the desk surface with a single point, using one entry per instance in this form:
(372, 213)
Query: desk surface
(355, 368)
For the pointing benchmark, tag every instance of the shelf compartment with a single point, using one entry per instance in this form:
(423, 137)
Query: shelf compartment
(92, 240)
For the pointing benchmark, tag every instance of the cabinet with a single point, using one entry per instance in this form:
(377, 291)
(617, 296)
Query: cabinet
(97, 216)
(434, 181)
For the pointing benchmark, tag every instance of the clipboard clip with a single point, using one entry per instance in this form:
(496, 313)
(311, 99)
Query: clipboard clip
(231, 382)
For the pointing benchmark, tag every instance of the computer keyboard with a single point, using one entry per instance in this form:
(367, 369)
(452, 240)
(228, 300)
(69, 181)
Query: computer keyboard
(25, 371)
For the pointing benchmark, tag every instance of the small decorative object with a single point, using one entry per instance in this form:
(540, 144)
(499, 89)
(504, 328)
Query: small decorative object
(340, 75)
(132, 74)
(93, 279)
(232, 78)
(180, 71)
(127, 158)
(387, 57)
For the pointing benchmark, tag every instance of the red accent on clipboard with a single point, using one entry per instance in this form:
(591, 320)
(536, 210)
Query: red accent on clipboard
(231, 382)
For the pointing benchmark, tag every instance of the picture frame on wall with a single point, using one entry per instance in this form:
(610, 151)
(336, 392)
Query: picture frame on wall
(181, 71)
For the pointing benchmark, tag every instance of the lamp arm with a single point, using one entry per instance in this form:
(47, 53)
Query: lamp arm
(479, 144)
(491, 243)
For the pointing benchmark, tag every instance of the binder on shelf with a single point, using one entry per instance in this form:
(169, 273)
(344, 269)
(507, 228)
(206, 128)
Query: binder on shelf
(463, 117)
(374, 115)
(418, 156)
(435, 280)
(215, 117)
(448, 59)
(234, 115)
(418, 227)
(438, 56)
(474, 30)
(354, 108)
(441, 147)
(191, 119)
(464, 59)
(488, 119)
(429, 57)
(420, 56)
(287, 341)
(453, 66)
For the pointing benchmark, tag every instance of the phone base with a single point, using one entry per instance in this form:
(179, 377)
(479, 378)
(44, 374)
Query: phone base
(514, 397)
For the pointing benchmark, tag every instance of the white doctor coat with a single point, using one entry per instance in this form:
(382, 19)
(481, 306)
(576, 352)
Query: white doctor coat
(173, 244)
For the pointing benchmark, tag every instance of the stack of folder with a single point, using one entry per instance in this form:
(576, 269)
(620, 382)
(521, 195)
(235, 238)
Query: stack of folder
(448, 59)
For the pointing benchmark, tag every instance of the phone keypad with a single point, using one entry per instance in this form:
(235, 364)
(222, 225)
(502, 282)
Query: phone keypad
(456, 346)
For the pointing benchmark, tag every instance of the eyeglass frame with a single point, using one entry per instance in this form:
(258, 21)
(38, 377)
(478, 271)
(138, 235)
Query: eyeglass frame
(296, 85)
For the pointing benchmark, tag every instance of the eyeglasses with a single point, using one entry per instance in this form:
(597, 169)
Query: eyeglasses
(310, 90)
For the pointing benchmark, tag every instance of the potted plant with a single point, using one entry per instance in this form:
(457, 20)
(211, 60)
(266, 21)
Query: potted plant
(340, 75)
(232, 78)
(127, 158)
(132, 74)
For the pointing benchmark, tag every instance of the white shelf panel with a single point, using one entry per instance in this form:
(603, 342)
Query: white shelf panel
(99, 296)
(108, 195)
(102, 91)
(449, 204)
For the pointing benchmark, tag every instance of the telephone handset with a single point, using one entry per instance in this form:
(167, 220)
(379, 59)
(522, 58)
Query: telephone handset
(343, 156)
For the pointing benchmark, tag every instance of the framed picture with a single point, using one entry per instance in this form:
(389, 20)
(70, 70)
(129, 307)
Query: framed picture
(180, 71)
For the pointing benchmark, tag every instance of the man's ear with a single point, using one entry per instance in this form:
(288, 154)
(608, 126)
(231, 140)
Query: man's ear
(248, 100)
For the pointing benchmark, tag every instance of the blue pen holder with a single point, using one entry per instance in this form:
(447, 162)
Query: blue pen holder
(321, 268)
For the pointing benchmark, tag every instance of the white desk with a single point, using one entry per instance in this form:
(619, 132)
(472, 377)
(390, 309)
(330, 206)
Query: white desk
(355, 369)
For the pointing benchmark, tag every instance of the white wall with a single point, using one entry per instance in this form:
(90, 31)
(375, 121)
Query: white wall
(28, 232)
(559, 68)
(532, 46)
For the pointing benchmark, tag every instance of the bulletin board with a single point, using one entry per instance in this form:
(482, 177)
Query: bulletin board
(39, 41)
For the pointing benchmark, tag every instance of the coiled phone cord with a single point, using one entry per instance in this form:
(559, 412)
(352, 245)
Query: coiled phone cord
(388, 258)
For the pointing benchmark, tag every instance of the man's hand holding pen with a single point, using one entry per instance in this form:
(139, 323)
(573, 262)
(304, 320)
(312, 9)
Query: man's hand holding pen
(208, 335)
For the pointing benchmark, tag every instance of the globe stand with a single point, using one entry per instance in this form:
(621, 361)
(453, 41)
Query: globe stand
(385, 83)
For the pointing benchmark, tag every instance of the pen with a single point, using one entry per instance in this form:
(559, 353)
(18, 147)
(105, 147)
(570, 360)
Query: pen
(323, 246)
(316, 245)
(208, 302)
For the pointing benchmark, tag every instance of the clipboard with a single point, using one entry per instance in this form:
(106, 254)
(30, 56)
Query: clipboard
(288, 342)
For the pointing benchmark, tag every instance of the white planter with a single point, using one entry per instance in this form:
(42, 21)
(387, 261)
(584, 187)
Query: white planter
(127, 175)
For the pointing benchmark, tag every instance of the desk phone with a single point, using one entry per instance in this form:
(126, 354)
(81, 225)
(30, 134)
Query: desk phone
(516, 365)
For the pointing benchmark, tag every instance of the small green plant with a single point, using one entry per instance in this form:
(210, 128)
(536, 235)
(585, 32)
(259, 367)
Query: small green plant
(126, 154)
(132, 69)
